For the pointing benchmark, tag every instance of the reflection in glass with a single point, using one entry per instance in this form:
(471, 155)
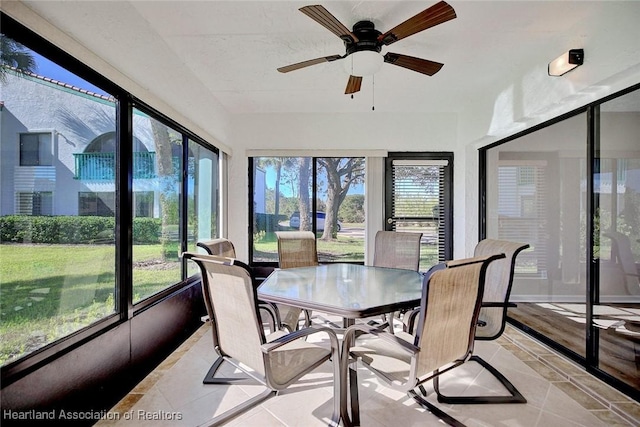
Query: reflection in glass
(156, 237)
(536, 194)
(617, 239)
(202, 198)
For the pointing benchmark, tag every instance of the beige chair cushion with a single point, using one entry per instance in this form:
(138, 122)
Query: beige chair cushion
(293, 359)
(397, 250)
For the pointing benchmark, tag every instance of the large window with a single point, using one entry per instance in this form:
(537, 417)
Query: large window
(572, 191)
(96, 204)
(35, 149)
(38, 203)
(70, 217)
(156, 263)
(57, 268)
(202, 197)
(325, 195)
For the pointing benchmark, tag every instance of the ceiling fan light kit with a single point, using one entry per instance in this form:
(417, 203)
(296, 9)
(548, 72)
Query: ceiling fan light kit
(566, 62)
(364, 44)
(363, 63)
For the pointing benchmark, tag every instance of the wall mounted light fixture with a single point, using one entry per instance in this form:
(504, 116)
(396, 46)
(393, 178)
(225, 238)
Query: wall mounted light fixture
(566, 62)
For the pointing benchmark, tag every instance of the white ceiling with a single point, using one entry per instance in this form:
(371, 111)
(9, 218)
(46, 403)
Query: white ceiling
(194, 54)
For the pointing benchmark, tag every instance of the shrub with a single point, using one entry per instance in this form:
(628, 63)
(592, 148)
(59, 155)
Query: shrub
(268, 222)
(72, 229)
(146, 230)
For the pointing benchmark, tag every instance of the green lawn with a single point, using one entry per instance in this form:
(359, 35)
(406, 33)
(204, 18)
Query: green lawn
(49, 291)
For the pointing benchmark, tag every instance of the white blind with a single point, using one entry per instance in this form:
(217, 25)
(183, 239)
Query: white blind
(418, 200)
(522, 206)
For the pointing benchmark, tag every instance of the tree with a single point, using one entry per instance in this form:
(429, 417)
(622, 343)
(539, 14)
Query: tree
(166, 177)
(278, 163)
(15, 55)
(352, 209)
(303, 201)
(341, 174)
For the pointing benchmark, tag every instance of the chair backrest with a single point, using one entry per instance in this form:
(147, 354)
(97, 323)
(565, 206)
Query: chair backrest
(296, 249)
(231, 302)
(498, 285)
(397, 250)
(449, 309)
(220, 247)
(621, 250)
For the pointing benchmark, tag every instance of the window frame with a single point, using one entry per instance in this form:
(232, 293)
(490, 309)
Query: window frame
(313, 197)
(38, 152)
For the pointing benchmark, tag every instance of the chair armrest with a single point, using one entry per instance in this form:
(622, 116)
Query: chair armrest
(350, 335)
(313, 329)
(409, 320)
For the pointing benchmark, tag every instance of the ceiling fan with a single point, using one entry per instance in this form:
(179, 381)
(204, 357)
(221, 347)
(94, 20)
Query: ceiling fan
(364, 43)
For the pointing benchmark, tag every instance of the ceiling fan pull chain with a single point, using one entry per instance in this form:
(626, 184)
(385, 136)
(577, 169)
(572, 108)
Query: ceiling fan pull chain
(351, 72)
(373, 93)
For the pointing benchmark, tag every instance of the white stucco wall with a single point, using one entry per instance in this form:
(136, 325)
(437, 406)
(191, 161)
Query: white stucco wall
(74, 119)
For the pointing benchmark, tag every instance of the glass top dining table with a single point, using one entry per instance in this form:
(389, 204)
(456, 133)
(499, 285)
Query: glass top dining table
(351, 291)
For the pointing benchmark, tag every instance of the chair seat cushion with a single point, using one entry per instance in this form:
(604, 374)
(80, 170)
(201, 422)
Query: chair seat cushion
(383, 356)
(292, 360)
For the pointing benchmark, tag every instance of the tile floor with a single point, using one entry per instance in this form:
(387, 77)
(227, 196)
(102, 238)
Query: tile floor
(559, 393)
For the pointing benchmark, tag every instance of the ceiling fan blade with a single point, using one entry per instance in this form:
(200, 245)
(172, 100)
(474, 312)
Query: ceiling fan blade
(308, 63)
(430, 17)
(353, 85)
(416, 64)
(323, 17)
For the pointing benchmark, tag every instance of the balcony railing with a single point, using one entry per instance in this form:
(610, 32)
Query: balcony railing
(101, 166)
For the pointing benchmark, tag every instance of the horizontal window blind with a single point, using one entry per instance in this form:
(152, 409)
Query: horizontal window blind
(522, 205)
(418, 200)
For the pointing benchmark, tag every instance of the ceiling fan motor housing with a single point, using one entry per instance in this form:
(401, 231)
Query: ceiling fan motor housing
(367, 36)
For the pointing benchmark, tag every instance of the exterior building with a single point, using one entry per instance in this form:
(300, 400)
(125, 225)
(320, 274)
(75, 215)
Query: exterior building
(64, 152)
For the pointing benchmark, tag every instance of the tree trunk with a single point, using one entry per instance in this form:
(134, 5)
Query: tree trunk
(303, 201)
(166, 180)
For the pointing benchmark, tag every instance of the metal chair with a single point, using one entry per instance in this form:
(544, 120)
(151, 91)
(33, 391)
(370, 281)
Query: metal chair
(396, 250)
(295, 249)
(220, 246)
(276, 360)
(623, 256)
(493, 315)
(444, 338)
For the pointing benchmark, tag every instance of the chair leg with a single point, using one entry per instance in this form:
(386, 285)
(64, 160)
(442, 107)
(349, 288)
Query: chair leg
(237, 410)
(353, 391)
(435, 410)
(210, 378)
(514, 395)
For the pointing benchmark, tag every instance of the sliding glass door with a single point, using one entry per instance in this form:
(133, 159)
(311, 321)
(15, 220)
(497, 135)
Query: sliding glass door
(571, 190)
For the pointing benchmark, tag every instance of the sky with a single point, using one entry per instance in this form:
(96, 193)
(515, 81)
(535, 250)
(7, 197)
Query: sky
(49, 69)
(285, 189)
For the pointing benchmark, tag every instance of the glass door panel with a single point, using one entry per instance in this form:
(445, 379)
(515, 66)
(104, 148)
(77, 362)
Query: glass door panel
(536, 194)
(617, 251)
(340, 209)
(419, 200)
